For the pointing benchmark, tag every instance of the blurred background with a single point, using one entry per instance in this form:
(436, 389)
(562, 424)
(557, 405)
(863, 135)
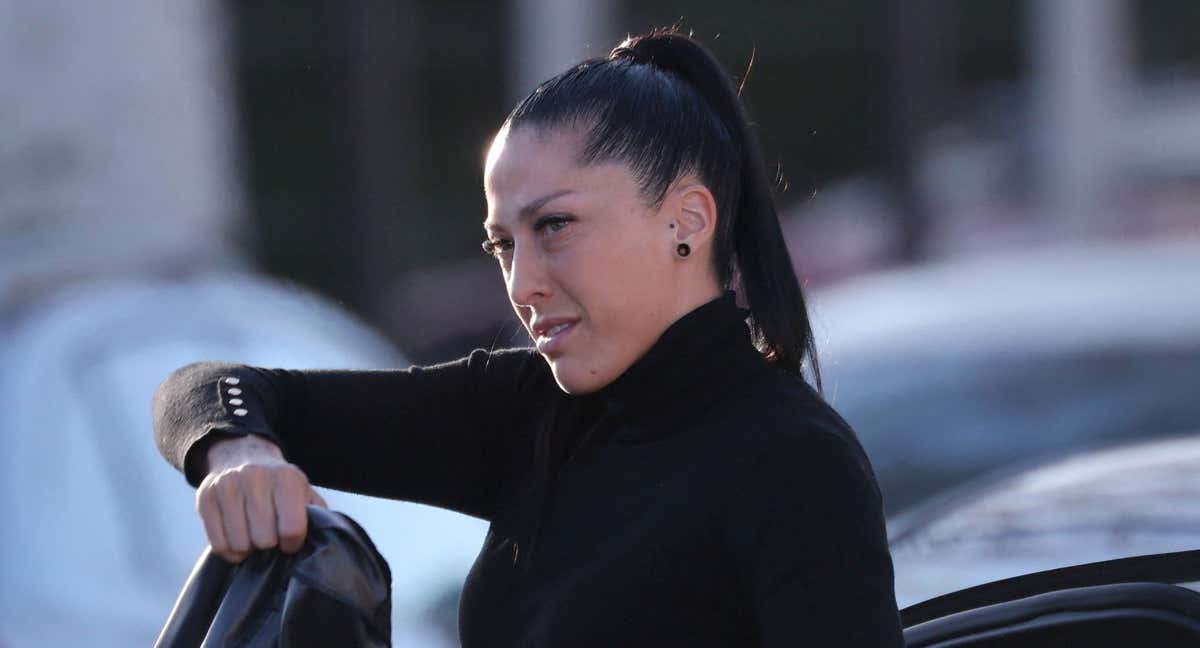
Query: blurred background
(994, 206)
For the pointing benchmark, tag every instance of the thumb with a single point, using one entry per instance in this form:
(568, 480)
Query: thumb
(315, 498)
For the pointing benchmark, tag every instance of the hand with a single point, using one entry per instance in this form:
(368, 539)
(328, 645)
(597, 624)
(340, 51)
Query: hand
(252, 498)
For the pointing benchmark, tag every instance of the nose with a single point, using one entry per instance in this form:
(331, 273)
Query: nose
(527, 281)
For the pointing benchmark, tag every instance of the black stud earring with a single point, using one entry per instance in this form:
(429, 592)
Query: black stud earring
(683, 249)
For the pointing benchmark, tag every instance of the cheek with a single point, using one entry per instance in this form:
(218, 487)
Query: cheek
(622, 286)
(617, 286)
(645, 282)
(625, 314)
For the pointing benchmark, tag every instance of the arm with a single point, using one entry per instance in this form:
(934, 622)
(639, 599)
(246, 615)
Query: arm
(808, 540)
(435, 435)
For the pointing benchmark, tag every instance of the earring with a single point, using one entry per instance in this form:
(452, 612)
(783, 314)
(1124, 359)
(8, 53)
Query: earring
(683, 249)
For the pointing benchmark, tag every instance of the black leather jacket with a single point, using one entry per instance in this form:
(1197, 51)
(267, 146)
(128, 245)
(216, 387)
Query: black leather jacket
(336, 591)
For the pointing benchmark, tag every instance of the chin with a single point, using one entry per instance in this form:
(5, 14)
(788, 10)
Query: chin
(576, 379)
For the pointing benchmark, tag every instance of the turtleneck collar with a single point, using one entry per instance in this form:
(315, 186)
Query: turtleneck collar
(697, 360)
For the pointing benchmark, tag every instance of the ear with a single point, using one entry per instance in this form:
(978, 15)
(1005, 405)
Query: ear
(694, 213)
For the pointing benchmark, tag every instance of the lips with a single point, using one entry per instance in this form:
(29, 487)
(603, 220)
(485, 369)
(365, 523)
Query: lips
(549, 333)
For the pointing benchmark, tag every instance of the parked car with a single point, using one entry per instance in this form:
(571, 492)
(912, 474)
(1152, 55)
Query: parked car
(1114, 502)
(99, 531)
(1099, 548)
(959, 367)
(987, 366)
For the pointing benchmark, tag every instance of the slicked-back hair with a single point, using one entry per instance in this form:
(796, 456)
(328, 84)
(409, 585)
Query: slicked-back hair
(662, 105)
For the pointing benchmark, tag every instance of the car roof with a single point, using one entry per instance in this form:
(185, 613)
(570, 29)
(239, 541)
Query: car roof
(1110, 502)
(1060, 297)
(1111, 488)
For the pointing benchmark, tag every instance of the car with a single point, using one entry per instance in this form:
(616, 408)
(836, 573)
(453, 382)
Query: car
(1115, 501)
(100, 532)
(957, 367)
(1102, 544)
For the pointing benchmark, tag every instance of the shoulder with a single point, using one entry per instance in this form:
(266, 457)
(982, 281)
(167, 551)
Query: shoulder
(780, 409)
(510, 362)
(513, 368)
(802, 522)
(514, 375)
(786, 429)
(798, 468)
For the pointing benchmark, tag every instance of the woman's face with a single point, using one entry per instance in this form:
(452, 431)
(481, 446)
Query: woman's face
(588, 265)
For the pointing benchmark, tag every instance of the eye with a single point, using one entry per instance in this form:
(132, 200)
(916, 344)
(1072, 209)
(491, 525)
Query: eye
(496, 247)
(552, 223)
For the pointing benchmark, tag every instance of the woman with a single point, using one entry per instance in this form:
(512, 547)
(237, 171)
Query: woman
(655, 472)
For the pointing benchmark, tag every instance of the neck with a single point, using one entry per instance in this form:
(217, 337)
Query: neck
(695, 294)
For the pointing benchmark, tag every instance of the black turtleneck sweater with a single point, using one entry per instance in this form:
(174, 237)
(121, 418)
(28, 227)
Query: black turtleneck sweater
(704, 498)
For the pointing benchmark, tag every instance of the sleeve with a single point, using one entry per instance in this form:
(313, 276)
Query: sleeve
(440, 435)
(810, 547)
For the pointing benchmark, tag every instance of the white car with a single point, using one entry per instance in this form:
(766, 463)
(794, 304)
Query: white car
(99, 531)
(955, 368)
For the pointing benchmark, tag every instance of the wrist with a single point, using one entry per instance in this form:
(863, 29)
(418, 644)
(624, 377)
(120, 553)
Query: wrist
(228, 453)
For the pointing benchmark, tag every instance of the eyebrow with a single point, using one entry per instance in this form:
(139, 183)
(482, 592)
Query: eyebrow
(533, 206)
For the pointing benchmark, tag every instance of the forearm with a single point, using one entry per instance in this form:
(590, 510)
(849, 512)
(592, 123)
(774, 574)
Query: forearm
(205, 402)
(425, 434)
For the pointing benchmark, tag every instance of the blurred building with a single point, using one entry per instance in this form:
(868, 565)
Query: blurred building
(115, 160)
(340, 144)
(903, 130)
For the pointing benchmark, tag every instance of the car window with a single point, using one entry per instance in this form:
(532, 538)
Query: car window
(930, 422)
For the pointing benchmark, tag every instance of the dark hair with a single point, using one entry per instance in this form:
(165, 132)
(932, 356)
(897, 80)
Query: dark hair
(661, 104)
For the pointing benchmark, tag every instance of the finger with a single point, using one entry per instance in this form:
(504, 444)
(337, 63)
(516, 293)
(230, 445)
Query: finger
(210, 515)
(260, 510)
(291, 515)
(315, 498)
(233, 517)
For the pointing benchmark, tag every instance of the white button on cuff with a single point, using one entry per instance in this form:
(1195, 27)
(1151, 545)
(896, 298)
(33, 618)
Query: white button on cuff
(232, 381)
(234, 391)
(235, 401)
(239, 412)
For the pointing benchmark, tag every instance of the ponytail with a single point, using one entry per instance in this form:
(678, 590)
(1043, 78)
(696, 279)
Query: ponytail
(754, 252)
(624, 97)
